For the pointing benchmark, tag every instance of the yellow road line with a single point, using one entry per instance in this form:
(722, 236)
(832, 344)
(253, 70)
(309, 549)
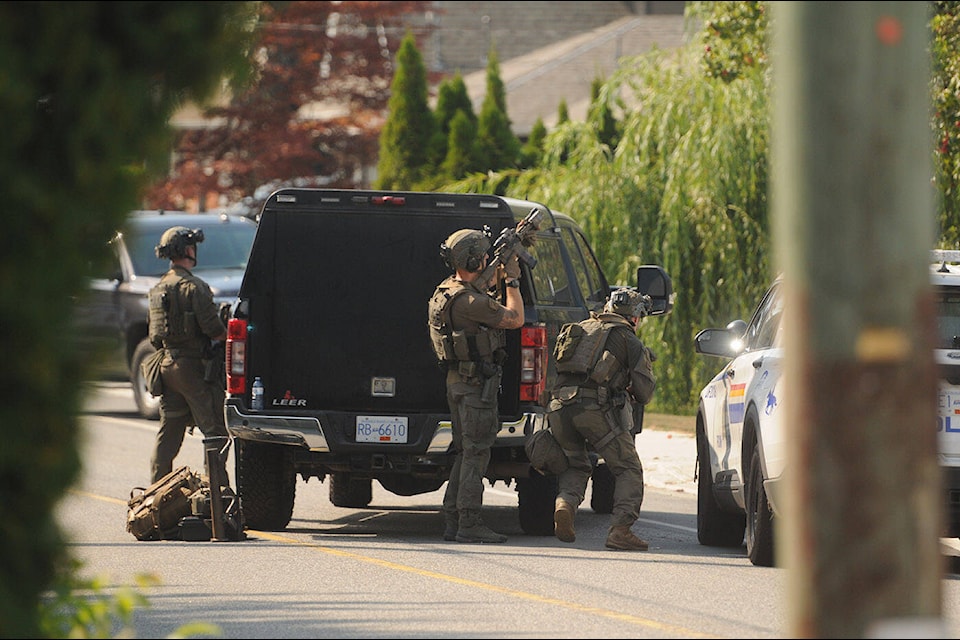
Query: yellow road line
(523, 595)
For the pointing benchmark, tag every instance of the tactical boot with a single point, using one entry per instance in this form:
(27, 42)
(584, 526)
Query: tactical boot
(472, 529)
(622, 538)
(563, 521)
(451, 522)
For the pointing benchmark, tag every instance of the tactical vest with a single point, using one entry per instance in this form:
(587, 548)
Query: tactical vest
(168, 321)
(450, 345)
(580, 350)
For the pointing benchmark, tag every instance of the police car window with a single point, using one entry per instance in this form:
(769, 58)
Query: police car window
(948, 319)
(550, 283)
(763, 329)
(586, 268)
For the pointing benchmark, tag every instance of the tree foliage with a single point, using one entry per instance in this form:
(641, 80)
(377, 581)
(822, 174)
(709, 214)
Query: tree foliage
(498, 147)
(460, 157)
(945, 25)
(405, 157)
(733, 37)
(452, 97)
(313, 113)
(88, 89)
(532, 150)
(684, 187)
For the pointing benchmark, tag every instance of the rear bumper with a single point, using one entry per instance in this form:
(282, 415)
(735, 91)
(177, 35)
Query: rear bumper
(309, 432)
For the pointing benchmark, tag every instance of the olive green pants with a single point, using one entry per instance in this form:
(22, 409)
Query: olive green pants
(187, 400)
(573, 427)
(475, 424)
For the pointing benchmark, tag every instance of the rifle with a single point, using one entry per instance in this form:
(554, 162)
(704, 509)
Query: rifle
(514, 242)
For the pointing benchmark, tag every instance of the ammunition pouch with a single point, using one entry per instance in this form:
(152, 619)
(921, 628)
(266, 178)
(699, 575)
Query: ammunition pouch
(167, 318)
(606, 367)
(491, 387)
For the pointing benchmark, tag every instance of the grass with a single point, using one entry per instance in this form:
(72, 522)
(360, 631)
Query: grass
(667, 422)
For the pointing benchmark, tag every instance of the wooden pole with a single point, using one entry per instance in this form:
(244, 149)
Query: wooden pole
(853, 223)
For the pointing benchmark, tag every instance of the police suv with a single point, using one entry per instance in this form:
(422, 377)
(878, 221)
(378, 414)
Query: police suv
(741, 439)
(331, 321)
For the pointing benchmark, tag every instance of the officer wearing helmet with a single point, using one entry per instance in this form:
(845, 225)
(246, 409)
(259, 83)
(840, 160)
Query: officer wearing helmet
(183, 321)
(467, 332)
(603, 368)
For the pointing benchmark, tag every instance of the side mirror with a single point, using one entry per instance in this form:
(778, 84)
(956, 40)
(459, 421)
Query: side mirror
(724, 343)
(653, 281)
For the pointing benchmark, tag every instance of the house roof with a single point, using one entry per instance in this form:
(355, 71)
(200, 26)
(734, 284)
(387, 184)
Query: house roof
(535, 83)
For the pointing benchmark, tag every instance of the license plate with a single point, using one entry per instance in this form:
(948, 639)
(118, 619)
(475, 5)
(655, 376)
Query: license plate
(382, 429)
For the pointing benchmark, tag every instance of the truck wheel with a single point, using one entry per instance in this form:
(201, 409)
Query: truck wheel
(715, 527)
(147, 405)
(601, 494)
(759, 516)
(348, 491)
(266, 484)
(537, 497)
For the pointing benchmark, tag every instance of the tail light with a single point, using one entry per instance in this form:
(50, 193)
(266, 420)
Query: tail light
(236, 357)
(533, 362)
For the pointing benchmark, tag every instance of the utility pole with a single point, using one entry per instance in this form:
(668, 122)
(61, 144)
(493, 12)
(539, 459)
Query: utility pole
(853, 224)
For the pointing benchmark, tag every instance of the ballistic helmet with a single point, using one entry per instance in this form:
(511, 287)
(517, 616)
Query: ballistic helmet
(174, 241)
(464, 249)
(627, 302)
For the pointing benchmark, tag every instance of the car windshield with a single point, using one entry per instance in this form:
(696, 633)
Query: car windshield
(225, 246)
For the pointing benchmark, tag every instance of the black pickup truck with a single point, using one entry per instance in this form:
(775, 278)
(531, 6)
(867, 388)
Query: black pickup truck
(332, 318)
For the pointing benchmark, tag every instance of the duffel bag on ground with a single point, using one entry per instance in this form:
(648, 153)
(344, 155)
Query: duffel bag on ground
(154, 513)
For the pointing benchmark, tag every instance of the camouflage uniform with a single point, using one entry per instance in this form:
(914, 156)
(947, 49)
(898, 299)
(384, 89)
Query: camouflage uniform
(188, 399)
(582, 412)
(474, 413)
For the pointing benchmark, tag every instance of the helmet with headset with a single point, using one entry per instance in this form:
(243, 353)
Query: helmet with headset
(174, 242)
(465, 249)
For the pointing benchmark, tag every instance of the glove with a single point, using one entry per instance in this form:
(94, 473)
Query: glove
(512, 268)
(530, 240)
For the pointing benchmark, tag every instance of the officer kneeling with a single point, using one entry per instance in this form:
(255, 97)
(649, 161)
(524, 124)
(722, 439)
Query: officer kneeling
(603, 368)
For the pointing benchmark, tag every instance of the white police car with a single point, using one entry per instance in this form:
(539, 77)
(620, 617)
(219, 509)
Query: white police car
(741, 443)
(741, 448)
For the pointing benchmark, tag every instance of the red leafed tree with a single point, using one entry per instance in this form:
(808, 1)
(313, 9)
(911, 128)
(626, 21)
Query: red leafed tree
(311, 117)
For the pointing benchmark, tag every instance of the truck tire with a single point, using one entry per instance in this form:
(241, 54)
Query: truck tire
(537, 497)
(715, 527)
(266, 484)
(759, 516)
(349, 491)
(601, 493)
(147, 405)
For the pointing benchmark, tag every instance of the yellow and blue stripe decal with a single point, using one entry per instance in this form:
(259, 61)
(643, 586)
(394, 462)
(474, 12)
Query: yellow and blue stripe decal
(735, 402)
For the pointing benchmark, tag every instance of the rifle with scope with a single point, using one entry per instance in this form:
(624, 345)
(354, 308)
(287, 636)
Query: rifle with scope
(513, 242)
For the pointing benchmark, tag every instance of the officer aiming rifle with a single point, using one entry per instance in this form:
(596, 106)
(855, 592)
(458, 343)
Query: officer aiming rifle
(513, 242)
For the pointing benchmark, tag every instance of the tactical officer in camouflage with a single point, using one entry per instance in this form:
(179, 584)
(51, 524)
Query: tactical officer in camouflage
(595, 405)
(183, 321)
(466, 328)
